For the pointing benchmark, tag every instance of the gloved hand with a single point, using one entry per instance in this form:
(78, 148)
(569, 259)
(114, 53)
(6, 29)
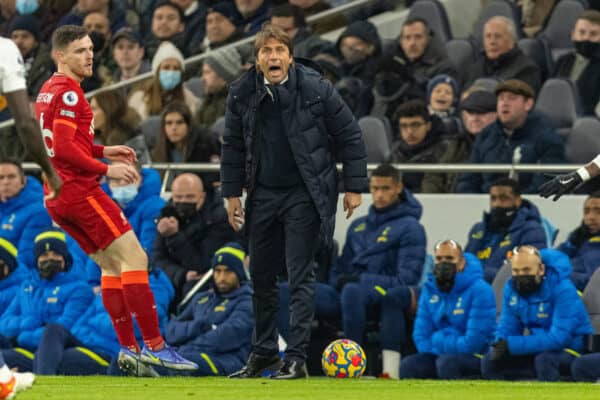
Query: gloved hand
(499, 350)
(560, 185)
(345, 278)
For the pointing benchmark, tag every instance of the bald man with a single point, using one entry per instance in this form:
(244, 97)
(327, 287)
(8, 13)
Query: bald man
(543, 320)
(502, 59)
(190, 230)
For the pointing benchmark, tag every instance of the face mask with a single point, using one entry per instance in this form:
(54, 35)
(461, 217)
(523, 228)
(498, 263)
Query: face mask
(47, 269)
(526, 285)
(169, 79)
(185, 210)
(501, 218)
(588, 49)
(98, 40)
(26, 7)
(444, 273)
(352, 55)
(124, 194)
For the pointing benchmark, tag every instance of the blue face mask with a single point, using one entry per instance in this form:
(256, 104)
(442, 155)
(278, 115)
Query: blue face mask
(169, 79)
(124, 194)
(26, 7)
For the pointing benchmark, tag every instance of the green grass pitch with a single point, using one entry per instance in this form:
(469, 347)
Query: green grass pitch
(110, 388)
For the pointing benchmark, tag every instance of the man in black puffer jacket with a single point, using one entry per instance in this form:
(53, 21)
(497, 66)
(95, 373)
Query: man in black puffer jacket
(285, 127)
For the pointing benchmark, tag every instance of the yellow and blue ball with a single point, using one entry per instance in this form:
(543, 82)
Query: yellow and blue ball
(344, 358)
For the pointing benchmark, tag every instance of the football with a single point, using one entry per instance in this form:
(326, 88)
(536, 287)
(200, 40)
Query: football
(344, 358)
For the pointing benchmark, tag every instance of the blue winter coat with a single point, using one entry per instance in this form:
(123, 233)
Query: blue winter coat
(538, 143)
(38, 302)
(462, 321)
(491, 248)
(10, 286)
(23, 217)
(141, 213)
(386, 248)
(585, 258)
(215, 323)
(555, 316)
(320, 128)
(94, 328)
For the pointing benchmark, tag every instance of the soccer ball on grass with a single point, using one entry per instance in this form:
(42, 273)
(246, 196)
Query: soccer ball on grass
(343, 358)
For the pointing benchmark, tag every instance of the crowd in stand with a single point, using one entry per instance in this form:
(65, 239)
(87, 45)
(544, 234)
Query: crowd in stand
(52, 320)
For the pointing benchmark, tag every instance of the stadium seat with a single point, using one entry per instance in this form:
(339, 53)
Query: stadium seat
(195, 86)
(583, 143)
(502, 276)
(591, 299)
(563, 113)
(560, 24)
(539, 51)
(495, 8)
(151, 129)
(434, 13)
(218, 128)
(427, 268)
(376, 139)
(460, 52)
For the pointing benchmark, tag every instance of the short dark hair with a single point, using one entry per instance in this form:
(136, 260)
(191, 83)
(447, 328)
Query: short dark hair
(414, 20)
(12, 161)
(168, 3)
(412, 108)
(176, 106)
(594, 195)
(505, 181)
(270, 31)
(387, 171)
(66, 34)
(592, 16)
(287, 10)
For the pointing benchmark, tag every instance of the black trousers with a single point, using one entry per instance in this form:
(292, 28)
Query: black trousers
(284, 231)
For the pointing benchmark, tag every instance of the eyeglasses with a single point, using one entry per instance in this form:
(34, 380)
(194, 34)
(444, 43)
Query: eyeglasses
(412, 126)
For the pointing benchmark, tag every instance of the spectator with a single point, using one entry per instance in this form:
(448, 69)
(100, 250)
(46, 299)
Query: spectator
(165, 86)
(583, 65)
(53, 294)
(116, 123)
(167, 26)
(511, 221)
(141, 204)
(112, 9)
(220, 68)
(8, 12)
(502, 58)
(539, 299)
(442, 96)
(11, 275)
(194, 18)
(47, 13)
(215, 328)
(98, 28)
(25, 32)
(358, 48)
(91, 344)
(384, 251)
(330, 66)
(254, 14)
(22, 212)
(478, 111)
(583, 244)
(456, 318)
(534, 14)
(520, 135)
(421, 139)
(128, 53)
(180, 142)
(190, 230)
(222, 27)
(328, 24)
(304, 42)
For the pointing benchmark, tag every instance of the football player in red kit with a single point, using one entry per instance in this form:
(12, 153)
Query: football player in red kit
(89, 215)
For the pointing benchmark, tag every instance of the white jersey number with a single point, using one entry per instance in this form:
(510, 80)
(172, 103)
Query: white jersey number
(47, 137)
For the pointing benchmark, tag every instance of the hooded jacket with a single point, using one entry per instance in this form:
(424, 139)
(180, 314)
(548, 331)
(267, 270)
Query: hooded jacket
(9, 287)
(365, 69)
(462, 321)
(584, 252)
(554, 316)
(385, 248)
(491, 247)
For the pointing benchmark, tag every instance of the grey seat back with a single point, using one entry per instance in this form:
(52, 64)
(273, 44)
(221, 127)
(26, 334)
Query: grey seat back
(460, 52)
(195, 85)
(151, 130)
(434, 13)
(591, 299)
(376, 139)
(560, 24)
(559, 100)
(583, 143)
(496, 8)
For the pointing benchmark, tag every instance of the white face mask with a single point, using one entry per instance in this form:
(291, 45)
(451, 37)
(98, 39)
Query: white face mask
(124, 194)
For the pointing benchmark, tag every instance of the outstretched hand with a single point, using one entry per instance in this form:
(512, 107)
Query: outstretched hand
(351, 201)
(559, 185)
(121, 153)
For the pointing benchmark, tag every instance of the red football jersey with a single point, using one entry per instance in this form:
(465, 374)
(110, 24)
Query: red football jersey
(66, 121)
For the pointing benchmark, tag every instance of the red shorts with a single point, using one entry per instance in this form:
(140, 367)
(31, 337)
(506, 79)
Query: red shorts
(94, 222)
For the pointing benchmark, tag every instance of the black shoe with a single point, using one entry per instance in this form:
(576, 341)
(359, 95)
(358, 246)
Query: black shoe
(292, 370)
(256, 365)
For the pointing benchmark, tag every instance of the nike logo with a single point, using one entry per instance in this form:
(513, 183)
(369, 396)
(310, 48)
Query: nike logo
(153, 358)
(565, 181)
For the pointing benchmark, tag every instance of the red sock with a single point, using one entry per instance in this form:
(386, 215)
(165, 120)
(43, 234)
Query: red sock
(140, 301)
(114, 303)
